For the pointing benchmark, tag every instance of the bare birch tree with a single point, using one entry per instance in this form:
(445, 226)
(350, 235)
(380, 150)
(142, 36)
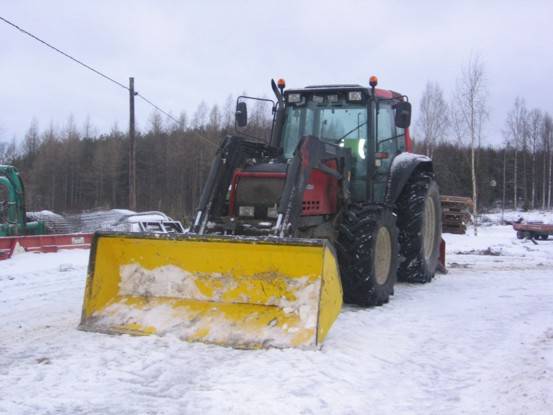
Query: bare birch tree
(433, 121)
(548, 151)
(547, 125)
(515, 125)
(524, 154)
(534, 126)
(471, 107)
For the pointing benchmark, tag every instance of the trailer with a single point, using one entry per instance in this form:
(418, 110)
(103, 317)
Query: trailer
(533, 230)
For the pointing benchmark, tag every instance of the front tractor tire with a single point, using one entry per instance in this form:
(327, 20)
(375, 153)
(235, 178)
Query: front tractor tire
(368, 252)
(420, 228)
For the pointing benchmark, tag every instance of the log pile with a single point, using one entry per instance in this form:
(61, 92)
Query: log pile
(456, 214)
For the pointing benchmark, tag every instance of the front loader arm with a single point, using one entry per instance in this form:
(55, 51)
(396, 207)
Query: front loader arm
(232, 154)
(310, 154)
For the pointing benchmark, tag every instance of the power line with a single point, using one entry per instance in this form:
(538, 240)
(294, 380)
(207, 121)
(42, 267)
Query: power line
(96, 72)
(156, 107)
(64, 54)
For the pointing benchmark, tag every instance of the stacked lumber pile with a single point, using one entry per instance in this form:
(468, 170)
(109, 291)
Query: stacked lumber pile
(455, 213)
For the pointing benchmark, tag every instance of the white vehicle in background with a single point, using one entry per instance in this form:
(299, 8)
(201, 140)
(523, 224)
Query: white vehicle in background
(151, 222)
(122, 220)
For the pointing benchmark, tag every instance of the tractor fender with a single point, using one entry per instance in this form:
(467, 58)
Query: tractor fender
(403, 167)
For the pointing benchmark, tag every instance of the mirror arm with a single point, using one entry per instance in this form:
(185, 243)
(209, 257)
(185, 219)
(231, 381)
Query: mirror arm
(277, 92)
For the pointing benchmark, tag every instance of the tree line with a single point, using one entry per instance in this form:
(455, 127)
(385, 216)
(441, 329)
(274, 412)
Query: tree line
(73, 168)
(515, 174)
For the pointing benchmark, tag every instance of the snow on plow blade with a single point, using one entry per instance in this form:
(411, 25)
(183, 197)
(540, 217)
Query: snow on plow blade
(240, 292)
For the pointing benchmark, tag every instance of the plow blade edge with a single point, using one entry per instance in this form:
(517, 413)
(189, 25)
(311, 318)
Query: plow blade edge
(239, 292)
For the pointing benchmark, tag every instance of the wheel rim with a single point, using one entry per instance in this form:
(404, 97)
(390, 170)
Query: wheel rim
(429, 227)
(383, 255)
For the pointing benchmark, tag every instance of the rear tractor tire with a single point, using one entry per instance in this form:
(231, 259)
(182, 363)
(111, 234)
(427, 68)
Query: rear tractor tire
(420, 228)
(368, 254)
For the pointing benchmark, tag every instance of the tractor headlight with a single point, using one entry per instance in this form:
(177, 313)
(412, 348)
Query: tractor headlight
(272, 212)
(248, 211)
(294, 98)
(355, 96)
(318, 99)
(332, 98)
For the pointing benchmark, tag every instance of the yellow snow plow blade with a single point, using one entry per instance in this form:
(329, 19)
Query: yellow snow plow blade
(240, 292)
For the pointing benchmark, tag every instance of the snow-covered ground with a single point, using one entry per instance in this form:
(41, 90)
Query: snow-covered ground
(512, 215)
(478, 340)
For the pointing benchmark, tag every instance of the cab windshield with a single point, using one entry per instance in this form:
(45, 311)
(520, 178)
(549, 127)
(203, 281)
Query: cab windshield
(339, 122)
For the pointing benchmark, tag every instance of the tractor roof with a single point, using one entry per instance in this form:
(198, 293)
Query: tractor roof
(380, 93)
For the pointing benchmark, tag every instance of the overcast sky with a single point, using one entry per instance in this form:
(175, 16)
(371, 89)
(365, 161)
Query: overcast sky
(184, 52)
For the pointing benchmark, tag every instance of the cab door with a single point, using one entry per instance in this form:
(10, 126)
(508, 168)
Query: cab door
(385, 149)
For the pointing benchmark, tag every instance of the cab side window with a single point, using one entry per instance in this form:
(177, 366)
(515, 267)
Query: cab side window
(400, 132)
(386, 128)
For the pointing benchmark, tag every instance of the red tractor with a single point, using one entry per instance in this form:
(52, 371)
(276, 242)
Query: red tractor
(332, 207)
(339, 167)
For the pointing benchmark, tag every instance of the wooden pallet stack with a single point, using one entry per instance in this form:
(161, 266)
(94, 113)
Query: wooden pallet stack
(455, 213)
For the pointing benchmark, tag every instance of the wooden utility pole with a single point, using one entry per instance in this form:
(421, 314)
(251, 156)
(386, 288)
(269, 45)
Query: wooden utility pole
(132, 149)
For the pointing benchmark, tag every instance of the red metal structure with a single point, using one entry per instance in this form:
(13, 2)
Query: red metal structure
(44, 243)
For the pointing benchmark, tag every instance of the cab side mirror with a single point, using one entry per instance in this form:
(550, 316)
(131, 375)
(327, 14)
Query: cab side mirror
(241, 114)
(403, 114)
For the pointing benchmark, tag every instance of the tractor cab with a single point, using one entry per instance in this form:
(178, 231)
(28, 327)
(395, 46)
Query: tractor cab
(360, 119)
(347, 134)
